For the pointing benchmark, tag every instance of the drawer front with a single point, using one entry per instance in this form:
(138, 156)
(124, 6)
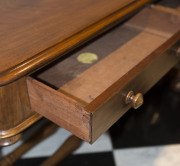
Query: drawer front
(93, 100)
(116, 106)
(89, 121)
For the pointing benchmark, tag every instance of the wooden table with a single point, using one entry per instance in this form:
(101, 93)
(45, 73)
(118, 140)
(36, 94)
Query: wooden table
(36, 33)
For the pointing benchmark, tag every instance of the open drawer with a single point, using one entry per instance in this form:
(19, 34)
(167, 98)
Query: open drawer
(87, 96)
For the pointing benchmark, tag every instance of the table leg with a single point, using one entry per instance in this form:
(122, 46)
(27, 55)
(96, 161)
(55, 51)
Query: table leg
(70, 145)
(44, 132)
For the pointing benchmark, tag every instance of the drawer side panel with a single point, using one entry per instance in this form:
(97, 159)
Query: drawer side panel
(59, 108)
(115, 108)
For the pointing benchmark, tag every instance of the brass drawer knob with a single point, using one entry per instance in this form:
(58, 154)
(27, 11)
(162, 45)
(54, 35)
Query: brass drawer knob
(135, 100)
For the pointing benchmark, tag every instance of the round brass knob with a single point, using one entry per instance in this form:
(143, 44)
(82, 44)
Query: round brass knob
(135, 100)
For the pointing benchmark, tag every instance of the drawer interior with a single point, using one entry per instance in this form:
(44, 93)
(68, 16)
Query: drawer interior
(81, 94)
(87, 81)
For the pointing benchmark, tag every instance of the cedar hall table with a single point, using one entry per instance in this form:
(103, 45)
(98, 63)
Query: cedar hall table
(36, 33)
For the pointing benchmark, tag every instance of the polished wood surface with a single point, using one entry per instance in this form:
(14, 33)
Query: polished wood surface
(96, 97)
(10, 139)
(45, 131)
(15, 111)
(34, 33)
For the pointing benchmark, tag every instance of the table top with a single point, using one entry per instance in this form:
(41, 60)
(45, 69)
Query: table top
(34, 33)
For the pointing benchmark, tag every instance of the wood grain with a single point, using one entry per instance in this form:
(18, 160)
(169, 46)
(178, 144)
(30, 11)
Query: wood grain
(60, 108)
(89, 104)
(34, 33)
(91, 83)
(107, 108)
(167, 9)
(83, 80)
(45, 131)
(50, 103)
(115, 107)
(60, 72)
(10, 140)
(148, 21)
(15, 111)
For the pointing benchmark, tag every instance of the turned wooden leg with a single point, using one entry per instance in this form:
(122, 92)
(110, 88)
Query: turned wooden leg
(71, 144)
(45, 131)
